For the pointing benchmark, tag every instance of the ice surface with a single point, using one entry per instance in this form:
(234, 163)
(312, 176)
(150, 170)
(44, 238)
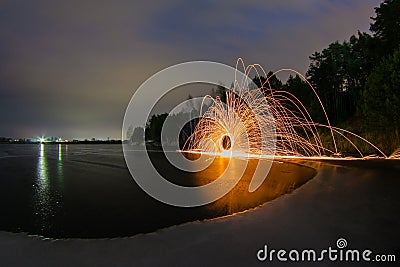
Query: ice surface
(358, 201)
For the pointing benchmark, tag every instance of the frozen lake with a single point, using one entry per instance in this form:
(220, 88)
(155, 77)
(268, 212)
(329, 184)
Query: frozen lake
(74, 190)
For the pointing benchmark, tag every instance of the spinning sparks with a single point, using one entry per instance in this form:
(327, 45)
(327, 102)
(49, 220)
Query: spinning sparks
(265, 122)
(243, 125)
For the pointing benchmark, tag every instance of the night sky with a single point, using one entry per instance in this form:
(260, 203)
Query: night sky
(70, 68)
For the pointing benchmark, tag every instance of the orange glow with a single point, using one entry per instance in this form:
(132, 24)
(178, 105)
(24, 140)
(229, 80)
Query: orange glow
(266, 123)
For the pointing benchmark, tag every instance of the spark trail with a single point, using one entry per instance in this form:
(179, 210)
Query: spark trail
(265, 122)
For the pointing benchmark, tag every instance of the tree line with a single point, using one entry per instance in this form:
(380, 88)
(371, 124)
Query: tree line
(358, 80)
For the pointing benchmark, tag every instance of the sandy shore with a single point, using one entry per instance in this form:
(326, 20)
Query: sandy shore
(357, 201)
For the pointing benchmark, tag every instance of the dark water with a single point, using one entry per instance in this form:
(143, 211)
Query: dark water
(86, 191)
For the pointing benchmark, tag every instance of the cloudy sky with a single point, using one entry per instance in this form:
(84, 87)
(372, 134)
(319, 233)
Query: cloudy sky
(69, 68)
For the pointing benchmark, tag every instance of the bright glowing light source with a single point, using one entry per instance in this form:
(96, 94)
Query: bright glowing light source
(252, 120)
(226, 142)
